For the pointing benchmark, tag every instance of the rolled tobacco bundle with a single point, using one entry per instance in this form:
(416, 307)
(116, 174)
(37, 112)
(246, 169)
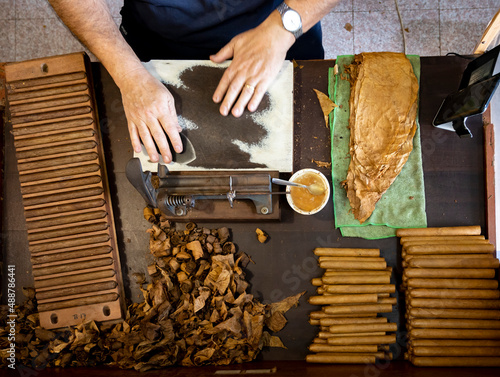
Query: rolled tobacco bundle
(353, 290)
(452, 297)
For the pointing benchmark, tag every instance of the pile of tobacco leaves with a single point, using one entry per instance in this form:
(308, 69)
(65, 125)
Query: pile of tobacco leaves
(196, 311)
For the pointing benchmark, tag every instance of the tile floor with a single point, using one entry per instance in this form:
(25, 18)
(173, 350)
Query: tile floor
(31, 29)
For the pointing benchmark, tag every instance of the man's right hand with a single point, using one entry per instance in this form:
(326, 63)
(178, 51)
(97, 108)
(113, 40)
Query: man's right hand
(150, 111)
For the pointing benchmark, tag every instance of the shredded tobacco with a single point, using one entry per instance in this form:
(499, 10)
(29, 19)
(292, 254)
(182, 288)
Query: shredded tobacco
(196, 311)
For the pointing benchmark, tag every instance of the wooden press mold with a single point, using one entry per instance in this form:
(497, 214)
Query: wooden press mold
(66, 199)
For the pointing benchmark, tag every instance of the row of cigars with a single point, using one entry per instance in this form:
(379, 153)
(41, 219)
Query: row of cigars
(354, 289)
(451, 293)
(452, 297)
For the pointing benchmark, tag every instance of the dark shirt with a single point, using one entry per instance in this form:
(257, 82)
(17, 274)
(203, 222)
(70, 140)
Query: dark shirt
(187, 29)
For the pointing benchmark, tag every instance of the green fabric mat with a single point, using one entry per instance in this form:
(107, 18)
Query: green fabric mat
(403, 204)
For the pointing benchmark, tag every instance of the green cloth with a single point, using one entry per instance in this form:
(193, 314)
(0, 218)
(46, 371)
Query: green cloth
(403, 204)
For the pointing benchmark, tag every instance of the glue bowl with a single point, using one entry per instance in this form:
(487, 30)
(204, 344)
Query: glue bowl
(300, 199)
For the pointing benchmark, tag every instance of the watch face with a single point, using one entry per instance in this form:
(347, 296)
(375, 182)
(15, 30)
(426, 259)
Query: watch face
(291, 20)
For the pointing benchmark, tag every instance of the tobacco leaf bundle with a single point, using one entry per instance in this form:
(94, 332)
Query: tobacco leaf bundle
(383, 108)
(195, 311)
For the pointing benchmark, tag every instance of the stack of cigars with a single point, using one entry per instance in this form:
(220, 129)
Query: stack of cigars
(452, 297)
(353, 290)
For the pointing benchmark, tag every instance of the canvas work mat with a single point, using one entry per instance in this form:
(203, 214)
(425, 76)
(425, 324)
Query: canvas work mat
(403, 204)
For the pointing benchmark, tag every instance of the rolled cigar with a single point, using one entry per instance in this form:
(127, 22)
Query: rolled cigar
(388, 300)
(384, 348)
(108, 297)
(450, 273)
(350, 321)
(319, 341)
(459, 361)
(64, 281)
(454, 313)
(358, 340)
(70, 291)
(327, 334)
(451, 248)
(454, 303)
(362, 327)
(440, 231)
(321, 290)
(354, 265)
(454, 343)
(454, 334)
(485, 294)
(455, 351)
(371, 348)
(370, 333)
(408, 257)
(367, 279)
(349, 259)
(383, 295)
(455, 323)
(456, 262)
(343, 299)
(68, 231)
(405, 239)
(51, 246)
(453, 283)
(361, 288)
(328, 358)
(454, 242)
(331, 272)
(358, 272)
(356, 309)
(321, 314)
(317, 282)
(314, 322)
(346, 252)
(61, 220)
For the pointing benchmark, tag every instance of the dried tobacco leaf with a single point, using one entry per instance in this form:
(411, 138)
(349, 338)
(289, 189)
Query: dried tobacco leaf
(261, 235)
(327, 105)
(195, 311)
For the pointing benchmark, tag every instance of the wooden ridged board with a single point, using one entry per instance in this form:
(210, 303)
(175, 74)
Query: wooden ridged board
(69, 219)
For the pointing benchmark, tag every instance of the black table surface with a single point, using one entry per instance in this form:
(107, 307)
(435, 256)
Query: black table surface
(454, 185)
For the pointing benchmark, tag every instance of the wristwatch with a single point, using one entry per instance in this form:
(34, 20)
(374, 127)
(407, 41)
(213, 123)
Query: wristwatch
(291, 19)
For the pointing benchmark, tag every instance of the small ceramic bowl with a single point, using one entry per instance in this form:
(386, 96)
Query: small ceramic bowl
(325, 196)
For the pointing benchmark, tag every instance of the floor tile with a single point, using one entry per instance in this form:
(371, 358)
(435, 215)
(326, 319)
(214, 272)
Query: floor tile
(34, 9)
(8, 8)
(7, 40)
(338, 34)
(378, 5)
(461, 29)
(461, 4)
(377, 31)
(44, 37)
(343, 6)
(421, 32)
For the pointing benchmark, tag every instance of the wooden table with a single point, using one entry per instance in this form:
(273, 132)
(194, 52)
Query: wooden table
(455, 195)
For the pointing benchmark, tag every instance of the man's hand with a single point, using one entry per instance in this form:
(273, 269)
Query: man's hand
(258, 55)
(150, 111)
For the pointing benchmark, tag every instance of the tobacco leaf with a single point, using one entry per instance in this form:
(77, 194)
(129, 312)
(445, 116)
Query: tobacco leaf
(196, 311)
(327, 105)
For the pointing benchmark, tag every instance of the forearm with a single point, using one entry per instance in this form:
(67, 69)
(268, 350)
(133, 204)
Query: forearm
(92, 23)
(312, 11)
